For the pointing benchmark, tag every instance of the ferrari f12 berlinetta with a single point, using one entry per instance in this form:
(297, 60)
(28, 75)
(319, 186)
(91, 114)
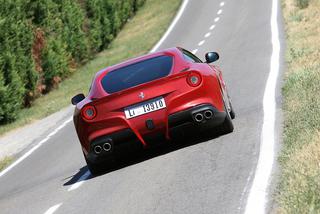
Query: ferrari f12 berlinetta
(132, 103)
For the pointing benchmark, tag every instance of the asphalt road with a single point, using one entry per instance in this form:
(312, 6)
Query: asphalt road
(203, 176)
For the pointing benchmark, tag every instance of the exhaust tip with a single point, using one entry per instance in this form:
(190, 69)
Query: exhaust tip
(97, 149)
(107, 147)
(208, 114)
(198, 118)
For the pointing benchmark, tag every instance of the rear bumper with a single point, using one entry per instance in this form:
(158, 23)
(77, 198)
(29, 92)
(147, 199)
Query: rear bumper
(125, 141)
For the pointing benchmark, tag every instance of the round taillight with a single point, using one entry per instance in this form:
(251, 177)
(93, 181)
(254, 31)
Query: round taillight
(89, 112)
(194, 79)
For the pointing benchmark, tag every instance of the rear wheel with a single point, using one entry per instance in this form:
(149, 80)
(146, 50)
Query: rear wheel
(232, 113)
(97, 168)
(227, 125)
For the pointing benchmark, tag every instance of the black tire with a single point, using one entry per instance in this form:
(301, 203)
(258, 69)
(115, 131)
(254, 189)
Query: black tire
(232, 113)
(97, 168)
(227, 126)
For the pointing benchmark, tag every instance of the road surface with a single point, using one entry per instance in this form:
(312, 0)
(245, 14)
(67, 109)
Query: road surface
(208, 176)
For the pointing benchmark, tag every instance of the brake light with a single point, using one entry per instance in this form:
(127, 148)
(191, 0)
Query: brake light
(194, 79)
(89, 112)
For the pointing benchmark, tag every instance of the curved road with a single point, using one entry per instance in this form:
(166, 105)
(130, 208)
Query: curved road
(204, 176)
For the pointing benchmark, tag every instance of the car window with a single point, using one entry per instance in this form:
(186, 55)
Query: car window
(190, 57)
(137, 73)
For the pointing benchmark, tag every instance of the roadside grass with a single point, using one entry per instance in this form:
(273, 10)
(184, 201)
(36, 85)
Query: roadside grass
(5, 162)
(299, 188)
(137, 37)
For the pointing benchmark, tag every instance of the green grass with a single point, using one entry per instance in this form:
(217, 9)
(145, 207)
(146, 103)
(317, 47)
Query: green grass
(299, 188)
(137, 37)
(5, 162)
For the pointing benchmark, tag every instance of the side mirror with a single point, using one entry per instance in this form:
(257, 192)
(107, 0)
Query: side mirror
(211, 57)
(78, 98)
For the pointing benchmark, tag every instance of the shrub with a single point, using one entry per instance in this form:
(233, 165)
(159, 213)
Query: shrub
(17, 72)
(54, 62)
(11, 88)
(40, 41)
(302, 3)
(72, 17)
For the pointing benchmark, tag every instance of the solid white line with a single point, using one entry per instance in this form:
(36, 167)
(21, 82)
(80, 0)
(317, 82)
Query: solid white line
(219, 12)
(257, 198)
(211, 27)
(182, 8)
(207, 35)
(81, 180)
(27, 154)
(194, 51)
(222, 4)
(216, 19)
(201, 42)
(53, 209)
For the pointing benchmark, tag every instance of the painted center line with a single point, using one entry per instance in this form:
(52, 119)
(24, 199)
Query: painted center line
(194, 51)
(201, 42)
(221, 4)
(53, 209)
(219, 12)
(212, 27)
(216, 19)
(207, 35)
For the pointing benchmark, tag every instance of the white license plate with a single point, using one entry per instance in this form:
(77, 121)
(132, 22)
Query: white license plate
(145, 108)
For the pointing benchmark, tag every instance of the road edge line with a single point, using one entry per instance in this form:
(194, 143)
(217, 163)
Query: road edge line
(257, 199)
(172, 25)
(27, 154)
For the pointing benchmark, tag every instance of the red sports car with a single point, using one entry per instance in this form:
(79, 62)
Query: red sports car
(133, 103)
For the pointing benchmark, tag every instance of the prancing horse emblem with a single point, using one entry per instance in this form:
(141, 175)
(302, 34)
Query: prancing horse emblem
(141, 95)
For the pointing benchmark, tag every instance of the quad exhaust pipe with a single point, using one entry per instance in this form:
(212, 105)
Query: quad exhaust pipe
(208, 114)
(203, 116)
(106, 147)
(199, 117)
(97, 149)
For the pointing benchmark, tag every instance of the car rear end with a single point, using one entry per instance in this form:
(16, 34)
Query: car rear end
(140, 107)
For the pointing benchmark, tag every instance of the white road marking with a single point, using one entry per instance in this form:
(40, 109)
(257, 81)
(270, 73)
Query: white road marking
(212, 27)
(246, 188)
(194, 51)
(219, 12)
(182, 8)
(27, 154)
(79, 182)
(53, 209)
(257, 198)
(222, 4)
(216, 19)
(207, 35)
(201, 42)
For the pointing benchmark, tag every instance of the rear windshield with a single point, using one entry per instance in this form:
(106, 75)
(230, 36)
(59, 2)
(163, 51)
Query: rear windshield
(136, 74)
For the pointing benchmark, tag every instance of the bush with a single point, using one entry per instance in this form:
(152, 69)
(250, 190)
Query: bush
(41, 41)
(302, 3)
(54, 63)
(17, 73)
(72, 17)
(11, 88)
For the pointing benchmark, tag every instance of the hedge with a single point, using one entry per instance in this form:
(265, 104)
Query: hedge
(43, 41)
